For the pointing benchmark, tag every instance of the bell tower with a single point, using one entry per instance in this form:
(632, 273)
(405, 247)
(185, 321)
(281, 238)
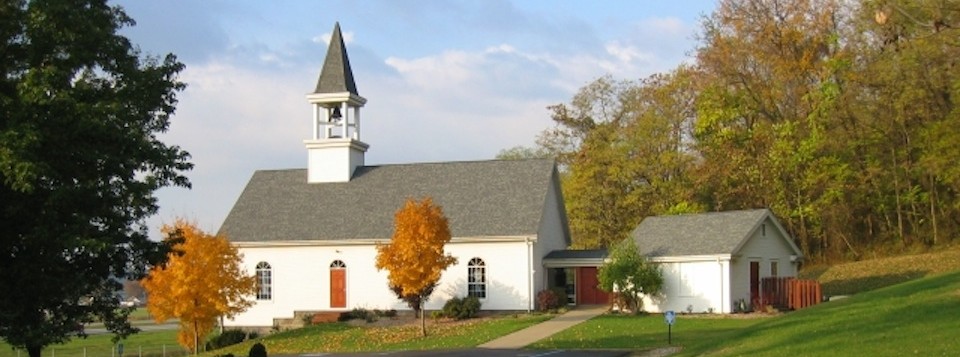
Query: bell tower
(335, 150)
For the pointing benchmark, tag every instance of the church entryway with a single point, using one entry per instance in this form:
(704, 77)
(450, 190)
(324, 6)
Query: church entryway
(338, 284)
(575, 273)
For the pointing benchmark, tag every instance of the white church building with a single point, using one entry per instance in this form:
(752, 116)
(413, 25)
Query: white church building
(310, 234)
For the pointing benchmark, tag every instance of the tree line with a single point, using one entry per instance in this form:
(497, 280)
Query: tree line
(840, 116)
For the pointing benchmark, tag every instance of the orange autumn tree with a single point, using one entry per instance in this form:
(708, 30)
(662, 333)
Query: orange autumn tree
(415, 258)
(201, 281)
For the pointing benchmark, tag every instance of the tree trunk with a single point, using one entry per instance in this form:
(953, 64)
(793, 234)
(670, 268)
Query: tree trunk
(34, 351)
(896, 191)
(423, 321)
(933, 207)
(196, 339)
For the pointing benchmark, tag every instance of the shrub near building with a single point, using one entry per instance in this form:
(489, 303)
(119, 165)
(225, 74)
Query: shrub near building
(462, 308)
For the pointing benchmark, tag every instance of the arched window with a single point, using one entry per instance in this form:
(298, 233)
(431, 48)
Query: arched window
(338, 264)
(477, 278)
(264, 281)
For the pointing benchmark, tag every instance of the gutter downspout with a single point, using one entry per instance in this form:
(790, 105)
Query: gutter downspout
(530, 295)
(722, 305)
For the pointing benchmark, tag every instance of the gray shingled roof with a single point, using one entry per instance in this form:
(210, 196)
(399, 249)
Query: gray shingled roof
(336, 75)
(599, 254)
(697, 234)
(479, 198)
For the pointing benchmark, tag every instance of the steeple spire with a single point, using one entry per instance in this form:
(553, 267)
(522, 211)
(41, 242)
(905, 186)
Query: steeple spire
(336, 75)
(334, 150)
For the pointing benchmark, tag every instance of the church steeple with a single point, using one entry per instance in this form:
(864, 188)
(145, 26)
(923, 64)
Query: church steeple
(335, 149)
(336, 75)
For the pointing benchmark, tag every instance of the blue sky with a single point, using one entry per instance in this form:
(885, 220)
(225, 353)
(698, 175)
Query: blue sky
(444, 80)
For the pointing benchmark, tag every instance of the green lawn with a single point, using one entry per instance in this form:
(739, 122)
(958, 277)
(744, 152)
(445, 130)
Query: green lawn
(915, 318)
(140, 314)
(644, 332)
(341, 337)
(149, 343)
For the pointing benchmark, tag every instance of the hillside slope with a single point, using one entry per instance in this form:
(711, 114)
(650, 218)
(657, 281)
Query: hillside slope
(855, 277)
(917, 318)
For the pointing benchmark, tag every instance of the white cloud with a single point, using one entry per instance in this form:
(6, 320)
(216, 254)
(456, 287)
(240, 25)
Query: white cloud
(626, 53)
(233, 120)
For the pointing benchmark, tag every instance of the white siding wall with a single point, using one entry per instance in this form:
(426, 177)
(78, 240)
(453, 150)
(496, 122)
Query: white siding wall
(700, 285)
(764, 249)
(301, 279)
(552, 235)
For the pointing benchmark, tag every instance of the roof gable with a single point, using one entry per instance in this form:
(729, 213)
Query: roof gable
(479, 198)
(702, 234)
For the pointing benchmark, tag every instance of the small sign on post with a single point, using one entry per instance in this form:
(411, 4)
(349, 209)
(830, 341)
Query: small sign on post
(669, 317)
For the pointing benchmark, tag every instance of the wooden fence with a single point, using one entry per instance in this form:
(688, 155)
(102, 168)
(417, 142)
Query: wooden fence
(789, 293)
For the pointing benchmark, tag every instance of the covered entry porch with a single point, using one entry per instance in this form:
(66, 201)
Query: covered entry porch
(575, 272)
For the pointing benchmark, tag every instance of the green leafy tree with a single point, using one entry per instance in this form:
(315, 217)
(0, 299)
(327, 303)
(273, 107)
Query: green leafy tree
(633, 158)
(630, 275)
(80, 112)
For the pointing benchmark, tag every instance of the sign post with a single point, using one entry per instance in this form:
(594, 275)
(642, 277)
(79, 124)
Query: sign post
(669, 317)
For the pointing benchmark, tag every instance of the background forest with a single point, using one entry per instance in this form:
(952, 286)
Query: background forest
(840, 116)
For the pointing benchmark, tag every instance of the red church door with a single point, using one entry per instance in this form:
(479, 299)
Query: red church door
(338, 284)
(587, 291)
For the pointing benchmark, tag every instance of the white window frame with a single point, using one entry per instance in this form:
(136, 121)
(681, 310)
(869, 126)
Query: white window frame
(264, 281)
(477, 270)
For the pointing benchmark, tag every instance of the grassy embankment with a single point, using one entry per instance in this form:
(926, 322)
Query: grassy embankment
(854, 277)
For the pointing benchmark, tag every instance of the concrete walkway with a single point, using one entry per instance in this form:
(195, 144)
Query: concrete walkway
(545, 329)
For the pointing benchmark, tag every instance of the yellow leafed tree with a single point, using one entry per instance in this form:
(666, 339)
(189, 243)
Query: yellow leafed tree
(415, 258)
(201, 281)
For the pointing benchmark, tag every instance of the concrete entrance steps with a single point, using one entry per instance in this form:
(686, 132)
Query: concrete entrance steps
(295, 322)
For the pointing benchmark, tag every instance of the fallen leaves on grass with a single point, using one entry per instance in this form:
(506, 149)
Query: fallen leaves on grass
(341, 337)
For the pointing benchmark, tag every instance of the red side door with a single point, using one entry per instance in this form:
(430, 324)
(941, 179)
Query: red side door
(587, 291)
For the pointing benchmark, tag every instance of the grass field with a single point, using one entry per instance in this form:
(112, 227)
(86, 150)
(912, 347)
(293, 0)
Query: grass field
(147, 343)
(341, 337)
(140, 314)
(645, 332)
